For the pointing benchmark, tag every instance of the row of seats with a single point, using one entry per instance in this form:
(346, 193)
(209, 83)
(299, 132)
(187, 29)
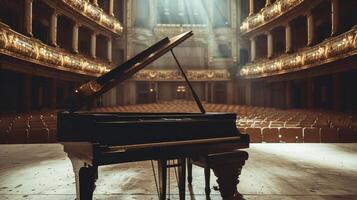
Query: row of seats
(299, 135)
(28, 128)
(262, 124)
(254, 117)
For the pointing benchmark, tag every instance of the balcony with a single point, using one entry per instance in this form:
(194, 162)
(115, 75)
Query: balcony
(330, 50)
(94, 13)
(32, 50)
(268, 14)
(175, 75)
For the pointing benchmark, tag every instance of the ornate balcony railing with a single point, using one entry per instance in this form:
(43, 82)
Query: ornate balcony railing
(267, 14)
(172, 29)
(330, 50)
(96, 14)
(175, 75)
(32, 50)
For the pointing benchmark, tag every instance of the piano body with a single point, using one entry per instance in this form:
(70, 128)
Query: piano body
(92, 139)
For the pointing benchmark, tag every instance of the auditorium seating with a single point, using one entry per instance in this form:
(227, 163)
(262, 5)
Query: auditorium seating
(312, 135)
(291, 135)
(262, 124)
(255, 134)
(270, 135)
(329, 135)
(39, 127)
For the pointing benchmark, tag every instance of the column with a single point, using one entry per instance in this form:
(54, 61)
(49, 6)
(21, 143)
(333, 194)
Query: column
(109, 50)
(251, 7)
(248, 94)
(95, 2)
(288, 93)
(230, 92)
(131, 93)
(310, 93)
(206, 92)
(270, 45)
(213, 100)
(129, 88)
(53, 28)
(267, 3)
(75, 37)
(238, 13)
(27, 93)
(267, 88)
(336, 92)
(310, 29)
(335, 17)
(252, 49)
(113, 97)
(111, 7)
(53, 93)
(28, 17)
(288, 46)
(235, 91)
(156, 90)
(93, 44)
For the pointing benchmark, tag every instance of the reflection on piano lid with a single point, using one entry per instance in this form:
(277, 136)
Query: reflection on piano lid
(90, 90)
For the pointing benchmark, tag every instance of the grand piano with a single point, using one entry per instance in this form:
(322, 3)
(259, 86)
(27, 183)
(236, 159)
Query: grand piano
(93, 139)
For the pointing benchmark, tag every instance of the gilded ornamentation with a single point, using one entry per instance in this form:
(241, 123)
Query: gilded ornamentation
(269, 13)
(19, 46)
(3, 39)
(90, 88)
(327, 51)
(96, 14)
(175, 75)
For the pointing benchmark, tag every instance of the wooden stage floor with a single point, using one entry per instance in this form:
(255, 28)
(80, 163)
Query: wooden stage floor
(273, 171)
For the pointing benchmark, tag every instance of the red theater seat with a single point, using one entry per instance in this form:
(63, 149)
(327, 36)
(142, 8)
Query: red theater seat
(312, 135)
(291, 135)
(38, 136)
(329, 135)
(270, 135)
(255, 135)
(242, 130)
(347, 135)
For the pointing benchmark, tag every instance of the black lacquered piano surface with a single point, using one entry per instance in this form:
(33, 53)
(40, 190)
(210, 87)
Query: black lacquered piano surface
(139, 128)
(92, 139)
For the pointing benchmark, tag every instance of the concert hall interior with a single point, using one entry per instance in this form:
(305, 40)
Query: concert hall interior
(175, 99)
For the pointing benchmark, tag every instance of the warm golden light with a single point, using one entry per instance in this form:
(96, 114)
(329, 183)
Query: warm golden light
(329, 49)
(17, 45)
(269, 13)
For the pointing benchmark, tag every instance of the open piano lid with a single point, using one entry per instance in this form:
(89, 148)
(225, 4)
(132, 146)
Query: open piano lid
(92, 89)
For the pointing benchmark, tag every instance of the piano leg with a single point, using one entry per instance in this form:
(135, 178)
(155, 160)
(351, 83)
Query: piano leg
(85, 177)
(227, 168)
(182, 177)
(207, 181)
(189, 171)
(162, 170)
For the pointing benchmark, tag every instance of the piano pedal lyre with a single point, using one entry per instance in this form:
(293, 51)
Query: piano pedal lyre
(164, 179)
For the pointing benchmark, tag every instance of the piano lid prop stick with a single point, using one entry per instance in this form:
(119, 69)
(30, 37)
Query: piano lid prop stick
(198, 102)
